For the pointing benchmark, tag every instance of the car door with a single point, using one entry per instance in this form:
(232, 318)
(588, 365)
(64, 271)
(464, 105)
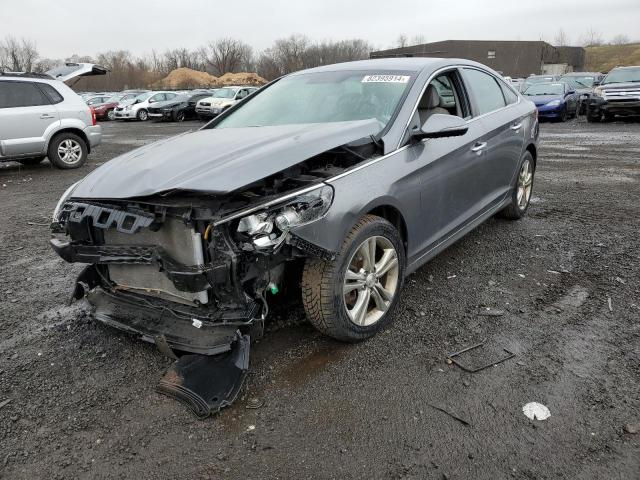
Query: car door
(25, 116)
(445, 166)
(500, 144)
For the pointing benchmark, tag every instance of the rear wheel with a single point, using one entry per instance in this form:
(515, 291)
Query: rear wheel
(142, 115)
(353, 296)
(522, 189)
(67, 150)
(564, 115)
(111, 114)
(180, 116)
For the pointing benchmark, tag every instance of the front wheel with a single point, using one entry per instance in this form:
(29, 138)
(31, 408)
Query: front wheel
(111, 114)
(353, 296)
(142, 115)
(521, 195)
(180, 116)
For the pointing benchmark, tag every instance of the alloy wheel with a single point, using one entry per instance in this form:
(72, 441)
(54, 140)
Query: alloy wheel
(525, 184)
(69, 151)
(371, 281)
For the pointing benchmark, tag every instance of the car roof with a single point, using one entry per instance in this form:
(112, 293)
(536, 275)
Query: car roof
(410, 64)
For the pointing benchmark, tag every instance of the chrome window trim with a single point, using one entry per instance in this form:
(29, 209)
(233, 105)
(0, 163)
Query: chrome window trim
(472, 119)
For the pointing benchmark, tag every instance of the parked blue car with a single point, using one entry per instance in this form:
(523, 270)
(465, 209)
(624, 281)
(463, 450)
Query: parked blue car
(554, 100)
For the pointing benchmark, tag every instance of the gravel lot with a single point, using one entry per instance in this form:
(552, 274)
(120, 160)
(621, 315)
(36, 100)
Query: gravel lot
(563, 286)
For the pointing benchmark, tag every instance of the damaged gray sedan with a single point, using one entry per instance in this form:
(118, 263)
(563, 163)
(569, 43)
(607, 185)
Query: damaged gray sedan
(336, 181)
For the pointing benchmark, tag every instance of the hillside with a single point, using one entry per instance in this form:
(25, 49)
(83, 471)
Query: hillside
(605, 57)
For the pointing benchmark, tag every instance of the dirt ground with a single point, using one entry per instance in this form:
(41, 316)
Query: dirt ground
(563, 291)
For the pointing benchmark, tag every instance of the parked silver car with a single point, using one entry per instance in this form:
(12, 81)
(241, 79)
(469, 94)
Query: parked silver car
(40, 117)
(354, 174)
(221, 100)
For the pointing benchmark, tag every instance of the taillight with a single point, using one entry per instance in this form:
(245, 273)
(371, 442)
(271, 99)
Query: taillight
(93, 116)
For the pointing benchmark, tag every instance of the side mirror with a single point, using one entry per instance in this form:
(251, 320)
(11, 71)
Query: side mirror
(597, 83)
(151, 100)
(440, 125)
(571, 92)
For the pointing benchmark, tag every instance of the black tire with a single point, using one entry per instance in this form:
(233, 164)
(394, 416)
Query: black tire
(202, 118)
(564, 115)
(607, 117)
(593, 118)
(74, 140)
(322, 283)
(514, 211)
(179, 116)
(111, 114)
(31, 161)
(142, 115)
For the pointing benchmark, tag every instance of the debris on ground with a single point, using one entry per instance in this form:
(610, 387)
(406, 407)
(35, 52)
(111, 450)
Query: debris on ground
(536, 411)
(254, 403)
(452, 415)
(632, 428)
(451, 358)
(5, 402)
(208, 383)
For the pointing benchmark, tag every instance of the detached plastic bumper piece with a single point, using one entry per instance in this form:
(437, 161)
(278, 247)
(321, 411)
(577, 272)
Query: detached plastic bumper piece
(206, 384)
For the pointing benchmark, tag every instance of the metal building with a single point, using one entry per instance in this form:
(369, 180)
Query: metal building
(514, 58)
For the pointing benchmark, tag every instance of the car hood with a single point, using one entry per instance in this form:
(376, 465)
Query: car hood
(621, 86)
(544, 99)
(216, 161)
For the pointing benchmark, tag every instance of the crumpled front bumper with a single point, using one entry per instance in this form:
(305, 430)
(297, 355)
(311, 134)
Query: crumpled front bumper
(155, 323)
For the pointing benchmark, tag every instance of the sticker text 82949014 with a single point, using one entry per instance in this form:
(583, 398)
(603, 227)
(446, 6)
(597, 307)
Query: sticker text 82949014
(385, 79)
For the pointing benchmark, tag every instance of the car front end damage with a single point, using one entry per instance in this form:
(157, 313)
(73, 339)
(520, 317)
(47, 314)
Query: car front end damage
(191, 271)
(611, 100)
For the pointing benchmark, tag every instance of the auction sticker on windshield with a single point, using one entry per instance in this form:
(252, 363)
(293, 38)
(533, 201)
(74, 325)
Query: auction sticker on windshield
(385, 79)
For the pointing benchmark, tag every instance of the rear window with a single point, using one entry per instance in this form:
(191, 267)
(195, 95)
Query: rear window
(21, 94)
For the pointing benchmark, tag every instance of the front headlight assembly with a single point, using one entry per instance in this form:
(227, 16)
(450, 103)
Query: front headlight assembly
(598, 92)
(553, 103)
(270, 228)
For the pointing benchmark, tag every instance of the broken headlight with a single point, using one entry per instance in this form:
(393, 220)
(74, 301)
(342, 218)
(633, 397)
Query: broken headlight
(63, 199)
(269, 229)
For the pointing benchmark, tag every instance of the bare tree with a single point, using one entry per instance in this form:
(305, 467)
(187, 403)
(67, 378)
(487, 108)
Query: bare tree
(620, 40)
(228, 55)
(592, 38)
(417, 40)
(561, 40)
(402, 41)
(18, 55)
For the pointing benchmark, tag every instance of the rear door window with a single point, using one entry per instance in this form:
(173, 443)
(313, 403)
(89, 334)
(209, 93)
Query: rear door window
(21, 94)
(485, 90)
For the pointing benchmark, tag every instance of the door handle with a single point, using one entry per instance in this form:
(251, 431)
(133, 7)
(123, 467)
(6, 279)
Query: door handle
(516, 127)
(46, 115)
(478, 147)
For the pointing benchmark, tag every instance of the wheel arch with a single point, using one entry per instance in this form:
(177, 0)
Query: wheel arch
(394, 217)
(75, 131)
(531, 148)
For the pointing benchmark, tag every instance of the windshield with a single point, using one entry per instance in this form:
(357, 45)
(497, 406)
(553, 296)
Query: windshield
(323, 98)
(545, 89)
(623, 75)
(581, 82)
(225, 93)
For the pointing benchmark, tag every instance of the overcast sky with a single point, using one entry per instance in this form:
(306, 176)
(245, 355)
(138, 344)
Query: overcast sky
(61, 28)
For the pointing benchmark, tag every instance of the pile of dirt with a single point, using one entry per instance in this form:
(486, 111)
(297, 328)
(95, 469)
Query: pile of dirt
(242, 78)
(186, 78)
(604, 57)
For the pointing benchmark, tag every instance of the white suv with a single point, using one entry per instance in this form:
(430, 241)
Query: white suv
(40, 116)
(137, 108)
(222, 99)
